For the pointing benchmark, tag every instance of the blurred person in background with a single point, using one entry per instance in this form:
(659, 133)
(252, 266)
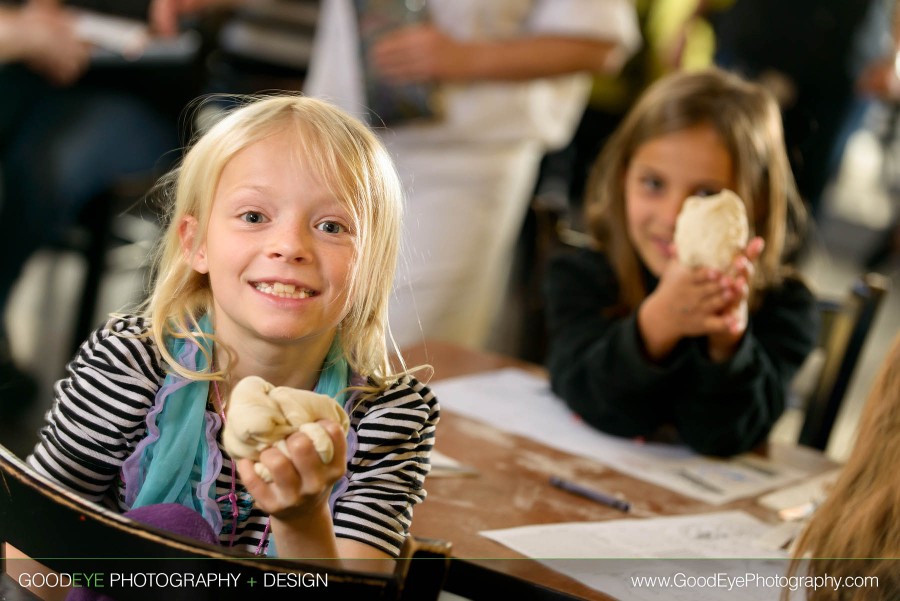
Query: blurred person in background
(68, 132)
(511, 79)
(43, 39)
(810, 54)
(503, 82)
(677, 35)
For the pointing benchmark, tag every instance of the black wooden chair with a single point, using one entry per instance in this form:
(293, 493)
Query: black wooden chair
(108, 222)
(70, 535)
(845, 327)
(169, 78)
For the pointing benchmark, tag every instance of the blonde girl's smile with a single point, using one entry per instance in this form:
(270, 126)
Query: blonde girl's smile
(288, 290)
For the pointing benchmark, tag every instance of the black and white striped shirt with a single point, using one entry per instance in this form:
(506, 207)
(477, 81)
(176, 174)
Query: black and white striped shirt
(99, 413)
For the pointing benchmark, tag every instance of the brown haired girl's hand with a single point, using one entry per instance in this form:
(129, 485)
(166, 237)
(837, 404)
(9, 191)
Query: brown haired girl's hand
(687, 302)
(723, 343)
(699, 301)
(301, 483)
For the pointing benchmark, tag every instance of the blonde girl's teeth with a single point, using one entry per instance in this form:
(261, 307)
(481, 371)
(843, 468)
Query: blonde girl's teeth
(283, 290)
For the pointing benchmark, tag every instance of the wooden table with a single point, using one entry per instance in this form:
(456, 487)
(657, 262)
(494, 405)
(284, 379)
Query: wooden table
(512, 488)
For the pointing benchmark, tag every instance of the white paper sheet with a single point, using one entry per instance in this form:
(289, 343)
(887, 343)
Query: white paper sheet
(800, 500)
(118, 40)
(517, 401)
(610, 556)
(127, 37)
(444, 466)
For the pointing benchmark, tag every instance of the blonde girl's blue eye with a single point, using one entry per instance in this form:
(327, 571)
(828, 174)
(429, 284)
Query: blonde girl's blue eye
(331, 227)
(252, 217)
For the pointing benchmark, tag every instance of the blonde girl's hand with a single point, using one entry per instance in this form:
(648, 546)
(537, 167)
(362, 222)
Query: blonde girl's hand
(723, 343)
(301, 483)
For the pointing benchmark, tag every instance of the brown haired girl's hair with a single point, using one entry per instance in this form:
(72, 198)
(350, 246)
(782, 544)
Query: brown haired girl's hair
(747, 119)
(859, 522)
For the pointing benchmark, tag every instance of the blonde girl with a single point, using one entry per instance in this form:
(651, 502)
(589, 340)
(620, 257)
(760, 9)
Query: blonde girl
(277, 262)
(642, 346)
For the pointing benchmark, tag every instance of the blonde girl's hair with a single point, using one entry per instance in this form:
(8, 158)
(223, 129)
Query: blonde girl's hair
(352, 163)
(747, 119)
(859, 522)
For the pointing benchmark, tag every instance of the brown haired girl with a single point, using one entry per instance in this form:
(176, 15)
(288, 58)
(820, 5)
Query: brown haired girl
(641, 345)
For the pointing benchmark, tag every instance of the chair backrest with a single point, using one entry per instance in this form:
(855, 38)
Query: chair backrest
(102, 222)
(547, 231)
(73, 536)
(845, 328)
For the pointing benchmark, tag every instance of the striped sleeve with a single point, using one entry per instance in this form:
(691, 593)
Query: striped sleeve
(387, 474)
(99, 410)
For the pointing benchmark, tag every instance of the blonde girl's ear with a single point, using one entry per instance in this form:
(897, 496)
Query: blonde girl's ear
(195, 256)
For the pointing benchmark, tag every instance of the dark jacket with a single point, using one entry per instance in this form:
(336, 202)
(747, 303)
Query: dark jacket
(598, 365)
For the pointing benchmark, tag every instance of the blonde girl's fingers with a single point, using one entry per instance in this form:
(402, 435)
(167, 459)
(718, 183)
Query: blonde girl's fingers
(266, 495)
(281, 445)
(320, 439)
(315, 475)
(260, 468)
(301, 452)
(263, 472)
(330, 435)
(281, 466)
(252, 481)
(339, 441)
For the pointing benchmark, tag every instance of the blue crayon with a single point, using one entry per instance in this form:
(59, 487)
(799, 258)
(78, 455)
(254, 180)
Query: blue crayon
(589, 493)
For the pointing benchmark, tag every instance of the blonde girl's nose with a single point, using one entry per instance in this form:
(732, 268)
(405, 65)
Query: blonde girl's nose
(290, 242)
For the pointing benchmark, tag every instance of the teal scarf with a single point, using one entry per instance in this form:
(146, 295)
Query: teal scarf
(179, 459)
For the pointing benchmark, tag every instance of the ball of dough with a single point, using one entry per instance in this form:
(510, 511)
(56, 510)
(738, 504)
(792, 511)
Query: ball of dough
(711, 230)
(260, 416)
